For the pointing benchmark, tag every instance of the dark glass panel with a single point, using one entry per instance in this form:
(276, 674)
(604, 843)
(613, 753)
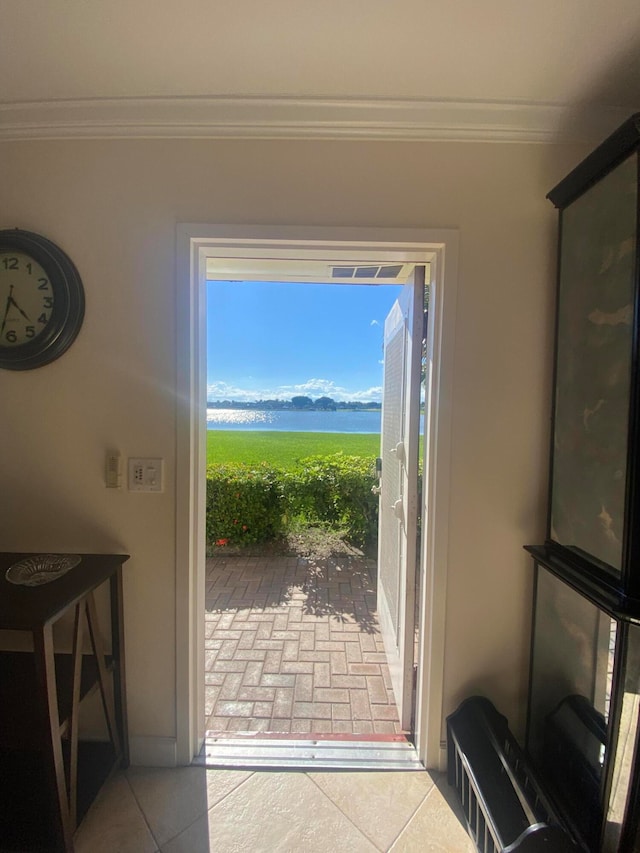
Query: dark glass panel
(595, 320)
(571, 682)
(621, 810)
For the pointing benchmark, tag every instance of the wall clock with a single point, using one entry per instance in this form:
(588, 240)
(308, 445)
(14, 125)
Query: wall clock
(41, 300)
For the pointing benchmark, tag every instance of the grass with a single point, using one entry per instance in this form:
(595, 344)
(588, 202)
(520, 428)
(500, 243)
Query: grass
(285, 449)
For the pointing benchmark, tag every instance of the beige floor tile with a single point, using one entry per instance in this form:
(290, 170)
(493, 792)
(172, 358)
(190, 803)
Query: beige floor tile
(380, 804)
(434, 828)
(195, 839)
(272, 813)
(114, 823)
(172, 799)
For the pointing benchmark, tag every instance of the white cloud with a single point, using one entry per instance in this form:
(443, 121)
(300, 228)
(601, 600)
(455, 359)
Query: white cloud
(225, 391)
(319, 386)
(371, 394)
(311, 388)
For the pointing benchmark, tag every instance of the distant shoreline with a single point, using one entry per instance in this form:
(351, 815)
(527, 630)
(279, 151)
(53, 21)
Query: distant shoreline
(287, 406)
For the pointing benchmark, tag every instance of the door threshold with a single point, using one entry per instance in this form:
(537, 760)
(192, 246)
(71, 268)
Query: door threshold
(314, 752)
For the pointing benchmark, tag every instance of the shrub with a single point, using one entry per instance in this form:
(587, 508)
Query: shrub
(334, 490)
(250, 504)
(244, 504)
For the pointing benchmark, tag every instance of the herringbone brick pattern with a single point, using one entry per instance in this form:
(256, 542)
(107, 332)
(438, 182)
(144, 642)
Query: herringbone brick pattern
(292, 645)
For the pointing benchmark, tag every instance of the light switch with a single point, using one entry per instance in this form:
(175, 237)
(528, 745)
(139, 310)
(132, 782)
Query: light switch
(146, 475)
(113, 470)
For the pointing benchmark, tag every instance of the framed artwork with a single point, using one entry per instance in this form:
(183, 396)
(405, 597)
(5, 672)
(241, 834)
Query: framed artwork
(594, 356)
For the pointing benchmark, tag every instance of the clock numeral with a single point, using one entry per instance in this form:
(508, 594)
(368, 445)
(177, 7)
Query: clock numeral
(29, 268)
(43, 283)
(42, 318)
(10, 263)
(30, 331)
(48, 301)
(11, 336)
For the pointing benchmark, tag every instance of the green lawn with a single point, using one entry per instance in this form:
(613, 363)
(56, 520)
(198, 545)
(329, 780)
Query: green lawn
(284, 449)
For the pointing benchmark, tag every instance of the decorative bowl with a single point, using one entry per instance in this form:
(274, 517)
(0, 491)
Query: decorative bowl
(43, 568)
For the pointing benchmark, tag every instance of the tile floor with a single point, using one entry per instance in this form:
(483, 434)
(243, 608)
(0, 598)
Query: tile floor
(292, 644)
(198, 810)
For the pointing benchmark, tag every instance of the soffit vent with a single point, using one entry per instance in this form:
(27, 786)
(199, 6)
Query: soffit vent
(388, 272)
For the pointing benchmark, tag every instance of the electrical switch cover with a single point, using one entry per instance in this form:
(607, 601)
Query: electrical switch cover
(146, 475)
(113, 470)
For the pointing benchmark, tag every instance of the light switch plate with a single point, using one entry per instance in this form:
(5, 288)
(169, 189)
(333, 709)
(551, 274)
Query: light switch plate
(146, 475)
(113, 470)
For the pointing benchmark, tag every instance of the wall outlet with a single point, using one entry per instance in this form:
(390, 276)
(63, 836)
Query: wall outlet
(146, 475)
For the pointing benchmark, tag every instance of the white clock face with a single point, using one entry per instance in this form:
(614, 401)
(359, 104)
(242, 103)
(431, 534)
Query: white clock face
(26, 298)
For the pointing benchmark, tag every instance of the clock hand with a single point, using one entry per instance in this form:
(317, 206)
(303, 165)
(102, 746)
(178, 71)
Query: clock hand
(6, 310)
(13, 302)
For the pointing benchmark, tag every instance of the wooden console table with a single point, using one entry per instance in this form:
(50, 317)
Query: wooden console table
(48, 778)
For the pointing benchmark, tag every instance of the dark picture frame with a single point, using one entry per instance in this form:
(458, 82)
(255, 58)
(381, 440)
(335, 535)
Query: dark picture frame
(595, 426)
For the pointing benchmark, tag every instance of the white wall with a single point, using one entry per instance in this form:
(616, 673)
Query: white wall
(114, 205)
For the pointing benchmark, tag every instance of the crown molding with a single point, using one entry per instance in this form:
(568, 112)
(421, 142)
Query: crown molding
(306, 118)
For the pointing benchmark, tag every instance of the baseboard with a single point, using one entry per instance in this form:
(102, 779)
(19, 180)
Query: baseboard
(152, 751)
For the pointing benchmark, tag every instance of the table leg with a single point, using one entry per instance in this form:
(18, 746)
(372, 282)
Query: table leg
(46, 681)
(117, 653)
(73, 720)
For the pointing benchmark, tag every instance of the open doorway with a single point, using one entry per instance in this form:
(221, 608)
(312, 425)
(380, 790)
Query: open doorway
(200, 245)
(293, 641)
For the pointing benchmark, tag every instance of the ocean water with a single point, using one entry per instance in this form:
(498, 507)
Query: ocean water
(294, 421)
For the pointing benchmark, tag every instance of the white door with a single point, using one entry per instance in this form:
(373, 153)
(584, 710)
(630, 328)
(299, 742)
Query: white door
(398, 515)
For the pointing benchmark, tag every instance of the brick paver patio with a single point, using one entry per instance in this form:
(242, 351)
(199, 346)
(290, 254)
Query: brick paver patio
(292, 645)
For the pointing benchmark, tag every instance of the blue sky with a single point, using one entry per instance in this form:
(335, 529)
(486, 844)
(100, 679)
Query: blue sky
(269, 340)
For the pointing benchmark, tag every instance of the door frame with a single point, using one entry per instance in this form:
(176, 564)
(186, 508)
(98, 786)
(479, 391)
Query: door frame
(438, 248)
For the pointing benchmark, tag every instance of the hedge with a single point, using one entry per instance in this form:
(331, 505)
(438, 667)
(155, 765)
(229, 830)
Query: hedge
(250, 504)
(244, 504)
(334, 491)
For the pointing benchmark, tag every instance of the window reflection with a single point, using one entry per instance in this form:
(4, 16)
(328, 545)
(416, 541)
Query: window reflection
(572, 676)
(625, 746)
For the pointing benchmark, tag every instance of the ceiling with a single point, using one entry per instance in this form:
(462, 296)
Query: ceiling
(503, 69)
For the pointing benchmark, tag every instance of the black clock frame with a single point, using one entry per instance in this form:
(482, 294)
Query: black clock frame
(68, 304)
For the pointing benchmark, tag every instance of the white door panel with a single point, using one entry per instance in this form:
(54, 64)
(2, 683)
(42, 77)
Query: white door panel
(398, 515)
